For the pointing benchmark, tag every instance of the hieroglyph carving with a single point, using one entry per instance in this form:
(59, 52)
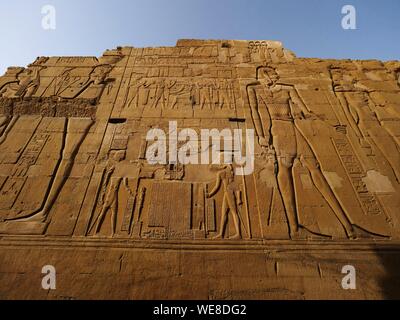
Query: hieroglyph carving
(76, 158)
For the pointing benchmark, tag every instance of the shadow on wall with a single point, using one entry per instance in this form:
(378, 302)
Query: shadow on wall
(390, 282)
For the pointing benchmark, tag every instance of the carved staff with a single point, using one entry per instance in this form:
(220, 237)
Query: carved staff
(238, 204)
(142, 193)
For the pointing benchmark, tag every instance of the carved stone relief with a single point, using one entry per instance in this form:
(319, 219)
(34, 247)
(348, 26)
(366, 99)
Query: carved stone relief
(327, 160)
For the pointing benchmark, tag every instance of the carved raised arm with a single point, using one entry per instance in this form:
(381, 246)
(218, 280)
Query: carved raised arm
(214, 191)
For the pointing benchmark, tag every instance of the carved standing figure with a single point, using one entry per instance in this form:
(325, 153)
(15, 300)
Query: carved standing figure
(205, 94)
(226, 180)
(134, 92)
(370, 123)
(280, 131)
(111, 185)
(159, 95)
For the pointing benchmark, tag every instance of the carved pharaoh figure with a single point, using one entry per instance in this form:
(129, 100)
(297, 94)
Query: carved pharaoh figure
(282, 133)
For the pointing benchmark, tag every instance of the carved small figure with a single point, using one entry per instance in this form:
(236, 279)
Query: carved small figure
(226, 179)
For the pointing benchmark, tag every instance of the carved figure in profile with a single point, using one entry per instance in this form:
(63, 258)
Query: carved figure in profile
(370, 123)
(223, 89)
(159, 95)
(110, 189)
(280, 131)
(25, 84)
(10, 77)
(134, 92)
(173, 91)
(205, 94)
(226, 180)
(69, 85)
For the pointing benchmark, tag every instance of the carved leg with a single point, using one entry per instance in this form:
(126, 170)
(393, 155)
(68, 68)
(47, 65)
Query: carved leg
(133, 101)
(174, 103)
(114, 212)
(5, 128)
(157, 99)
(389, 149)
(202, 102)
(72, 143)
(237, 224)
(224, 217)
(326, 191)
(286, 188)
(3, 124)
(236, 220)
(352, 231)
(100, 219)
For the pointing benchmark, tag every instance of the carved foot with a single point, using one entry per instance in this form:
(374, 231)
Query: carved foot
(361, 233)
(37, 217)
(304, 234)
(235, 237)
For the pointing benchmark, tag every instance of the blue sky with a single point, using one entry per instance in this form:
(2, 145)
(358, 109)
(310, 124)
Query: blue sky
(311, 28)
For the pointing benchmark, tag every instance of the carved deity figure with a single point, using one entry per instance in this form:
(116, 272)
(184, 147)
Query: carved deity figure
(226, 180)
(134, 92)
(173, 91)
(280, 131)
(69, 85)
(371, 123)
(205, 94)
(11, 77)
(25, 84)
(111, 186)
(224, 90)
(159, 95)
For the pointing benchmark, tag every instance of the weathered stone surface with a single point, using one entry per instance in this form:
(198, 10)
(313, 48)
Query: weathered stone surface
(77, 192)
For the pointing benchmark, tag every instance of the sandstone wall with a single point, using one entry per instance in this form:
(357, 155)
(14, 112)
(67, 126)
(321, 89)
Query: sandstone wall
(77, 192)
